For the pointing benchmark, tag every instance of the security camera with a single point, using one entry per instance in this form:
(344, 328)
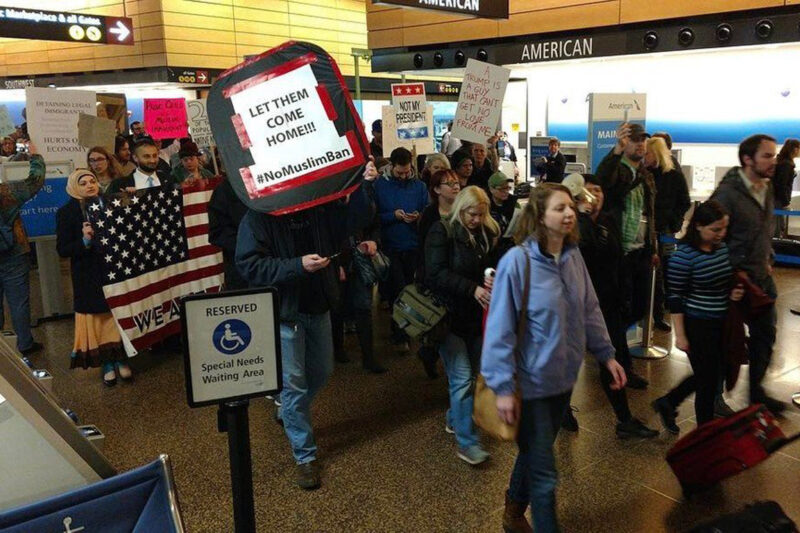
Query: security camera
(418, 60)
(483, 55)
(650, 40)
(438, 59)
(764, 29)
(686, 36)
(460, 58)
(724, 32)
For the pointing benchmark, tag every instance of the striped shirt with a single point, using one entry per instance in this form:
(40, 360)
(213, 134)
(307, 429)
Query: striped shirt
(699, 283)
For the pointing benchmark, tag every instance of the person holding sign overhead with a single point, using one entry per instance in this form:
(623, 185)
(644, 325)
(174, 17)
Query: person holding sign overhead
(97, 339)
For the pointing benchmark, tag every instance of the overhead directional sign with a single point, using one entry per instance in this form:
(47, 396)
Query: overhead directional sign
(64, 26)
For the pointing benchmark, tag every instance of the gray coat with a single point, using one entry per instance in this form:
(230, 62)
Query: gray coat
(751, 226)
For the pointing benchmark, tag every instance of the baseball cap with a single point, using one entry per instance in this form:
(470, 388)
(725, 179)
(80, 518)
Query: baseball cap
(498, 179)
(637, 133)
(377, 126)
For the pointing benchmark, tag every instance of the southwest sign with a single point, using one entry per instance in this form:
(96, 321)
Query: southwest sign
(19, 23)
(492, 9)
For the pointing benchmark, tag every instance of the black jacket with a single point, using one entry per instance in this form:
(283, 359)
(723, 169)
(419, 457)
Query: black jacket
(120, 184)
(225, 212)
(553, 169)
(672, 199)
(782, 183)
(503, 214)
(480, 176)
(265, 254)
(617, 181)
(86, 263)
(601, 247)
(454, 269)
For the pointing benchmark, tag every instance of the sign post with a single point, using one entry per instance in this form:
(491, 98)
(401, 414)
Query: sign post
(231, 354)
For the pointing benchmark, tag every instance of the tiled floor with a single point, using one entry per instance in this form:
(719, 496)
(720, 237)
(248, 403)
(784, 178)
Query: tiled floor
(389, 465)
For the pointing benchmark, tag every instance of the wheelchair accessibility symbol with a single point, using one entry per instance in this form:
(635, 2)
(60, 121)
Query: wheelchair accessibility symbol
(232, 337)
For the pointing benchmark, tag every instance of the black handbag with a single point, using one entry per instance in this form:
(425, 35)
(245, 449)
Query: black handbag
(370, 269)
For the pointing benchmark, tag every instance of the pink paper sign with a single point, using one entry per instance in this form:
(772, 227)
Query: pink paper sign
(165, 118)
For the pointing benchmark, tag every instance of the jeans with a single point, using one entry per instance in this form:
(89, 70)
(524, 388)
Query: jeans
(455, 353)
(16, 286)
(307, 363)
(762, 338)
(534, 477)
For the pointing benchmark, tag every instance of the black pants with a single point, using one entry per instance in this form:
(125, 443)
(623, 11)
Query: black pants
(616, 330)
(705, 355)
(402, 267)
(762, 338)
(634, 285)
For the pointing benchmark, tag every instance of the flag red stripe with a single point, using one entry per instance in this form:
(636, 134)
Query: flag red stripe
(195, 209)
(162, 285)
(208, 249)
(128, 323)
(196, 231)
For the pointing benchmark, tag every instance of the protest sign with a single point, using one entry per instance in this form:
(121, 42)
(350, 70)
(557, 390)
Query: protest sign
(165, 118)
(410, 111)
(6, 124)
(480, 101)
(287, 129)
(53, 122)
(95, 131)
(391, 139)
(199, 126)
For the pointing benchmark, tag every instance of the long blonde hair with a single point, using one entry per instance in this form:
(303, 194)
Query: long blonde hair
(473, 196)
(658, 146)
(531, 222)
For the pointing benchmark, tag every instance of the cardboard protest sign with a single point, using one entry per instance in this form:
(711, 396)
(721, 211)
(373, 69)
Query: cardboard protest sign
(480, 101)
(6, 124)
(411, 111)
(199, 126)
(95, 131)
(391, 138)
(165, 118)
(53, 122)
(287, 129)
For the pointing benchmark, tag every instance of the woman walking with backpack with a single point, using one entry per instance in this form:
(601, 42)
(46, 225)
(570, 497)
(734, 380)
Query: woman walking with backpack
(457, 251)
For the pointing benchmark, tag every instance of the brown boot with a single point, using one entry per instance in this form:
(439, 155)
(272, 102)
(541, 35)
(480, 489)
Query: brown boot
(514, 520)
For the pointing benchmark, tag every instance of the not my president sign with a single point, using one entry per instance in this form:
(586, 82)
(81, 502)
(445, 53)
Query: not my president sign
(288, 129)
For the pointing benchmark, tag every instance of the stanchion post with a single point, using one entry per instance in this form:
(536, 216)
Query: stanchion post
(233, 419)
(646, 350)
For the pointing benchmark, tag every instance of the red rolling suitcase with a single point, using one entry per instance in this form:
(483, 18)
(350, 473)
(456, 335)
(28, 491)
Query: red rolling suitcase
(725, 447)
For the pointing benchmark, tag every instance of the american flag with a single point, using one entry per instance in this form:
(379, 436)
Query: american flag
(155, 250)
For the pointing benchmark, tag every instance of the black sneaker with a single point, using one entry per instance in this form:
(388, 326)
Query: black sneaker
(569, 422)
(35, 347)
(308, 476)
(776, 407)
(722, 409)
(635, 381)
(635, 429)
(662, 325)
(667, 414)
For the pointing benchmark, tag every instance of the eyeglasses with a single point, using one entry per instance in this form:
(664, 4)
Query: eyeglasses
(97, 160)
(451, 184)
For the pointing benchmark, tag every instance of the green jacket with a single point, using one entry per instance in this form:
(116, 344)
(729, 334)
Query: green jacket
(13, 195)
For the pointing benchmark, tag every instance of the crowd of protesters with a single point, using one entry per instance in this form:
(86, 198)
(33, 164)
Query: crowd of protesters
(574, 266)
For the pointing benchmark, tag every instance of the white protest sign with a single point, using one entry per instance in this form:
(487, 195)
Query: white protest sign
(232, 346)
(6, 124)
(289, 130)
(199, 126)
(480, 101)
(391, 140)
(53, 122)
(411, 111)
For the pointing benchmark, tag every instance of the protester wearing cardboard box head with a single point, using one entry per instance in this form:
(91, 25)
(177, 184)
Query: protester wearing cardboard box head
(292, 253)
(630, 193)
(551, 166)
(146, 175)
(376, 144)
(458, 249)
(400, 198)
(189, 172)
(104, 166)
(563, 321)
(15, 264)
(97, 339)
(746, 194)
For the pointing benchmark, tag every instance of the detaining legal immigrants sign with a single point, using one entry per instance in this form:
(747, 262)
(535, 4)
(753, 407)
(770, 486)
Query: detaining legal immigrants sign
(287, 129)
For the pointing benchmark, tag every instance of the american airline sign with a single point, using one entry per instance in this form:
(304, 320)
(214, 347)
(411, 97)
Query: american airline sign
(493, 9)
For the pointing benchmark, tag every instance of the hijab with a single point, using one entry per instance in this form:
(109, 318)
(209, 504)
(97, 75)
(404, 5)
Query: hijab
(73, 179)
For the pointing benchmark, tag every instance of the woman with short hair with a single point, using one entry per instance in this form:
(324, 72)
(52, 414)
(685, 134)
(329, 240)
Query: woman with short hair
(457, 251)
(97, 339)
(562, 320)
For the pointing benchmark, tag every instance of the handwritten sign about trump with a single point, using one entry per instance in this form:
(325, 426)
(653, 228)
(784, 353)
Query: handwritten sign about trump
(165, 118)
(480, 101)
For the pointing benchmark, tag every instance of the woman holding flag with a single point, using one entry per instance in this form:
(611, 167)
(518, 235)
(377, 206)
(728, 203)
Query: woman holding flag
(97, 338)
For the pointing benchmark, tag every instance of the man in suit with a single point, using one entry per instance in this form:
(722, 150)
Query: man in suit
(553, 164)
(146, 175)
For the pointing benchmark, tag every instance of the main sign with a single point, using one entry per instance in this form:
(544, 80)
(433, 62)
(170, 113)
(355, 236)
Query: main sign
(231, 346)
(492, 9)
(37, 24)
